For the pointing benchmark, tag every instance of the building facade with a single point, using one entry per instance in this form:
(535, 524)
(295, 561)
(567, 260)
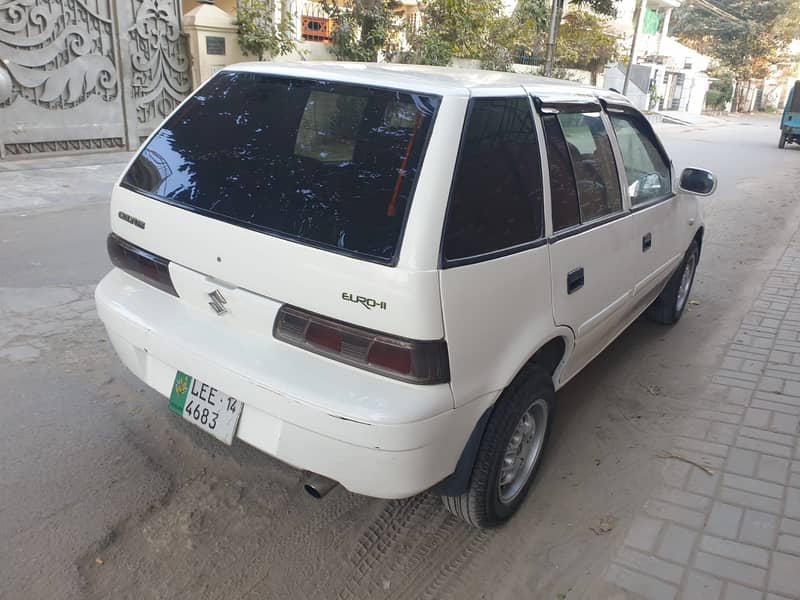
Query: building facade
(667, 76)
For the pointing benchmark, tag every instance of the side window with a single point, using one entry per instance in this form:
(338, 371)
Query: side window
(563, 193)
(647, 170)
(593, 163)
(496, 200)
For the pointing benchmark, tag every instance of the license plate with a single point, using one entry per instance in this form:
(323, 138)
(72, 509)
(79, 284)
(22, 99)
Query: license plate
(205, 406)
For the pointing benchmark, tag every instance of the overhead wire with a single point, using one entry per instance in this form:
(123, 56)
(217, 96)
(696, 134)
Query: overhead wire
(719, 12)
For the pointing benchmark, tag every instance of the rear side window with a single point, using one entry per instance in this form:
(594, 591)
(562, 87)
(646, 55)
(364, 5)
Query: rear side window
(566, 210)
(593, 164)
(647, 170)
(496, 200)
(329, 164)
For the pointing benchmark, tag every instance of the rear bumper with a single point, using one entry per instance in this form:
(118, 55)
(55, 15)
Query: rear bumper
(390, 455)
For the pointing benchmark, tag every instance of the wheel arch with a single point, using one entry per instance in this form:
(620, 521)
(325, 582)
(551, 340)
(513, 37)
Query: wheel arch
(698, 237)
(551, 354)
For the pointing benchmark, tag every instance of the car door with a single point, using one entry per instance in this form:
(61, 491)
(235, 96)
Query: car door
(657, 236)
(495, 263)
(591, 229)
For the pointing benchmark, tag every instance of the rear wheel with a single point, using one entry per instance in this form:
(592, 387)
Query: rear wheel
(669, 306)
(510, 452)
(782, 142)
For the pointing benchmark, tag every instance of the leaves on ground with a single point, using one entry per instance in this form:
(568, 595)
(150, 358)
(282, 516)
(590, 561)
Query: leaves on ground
(606, 525)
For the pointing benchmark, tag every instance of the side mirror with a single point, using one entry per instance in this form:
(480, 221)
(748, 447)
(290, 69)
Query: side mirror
(698, 182)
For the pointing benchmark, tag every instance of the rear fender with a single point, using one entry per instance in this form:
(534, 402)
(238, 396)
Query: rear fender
(458, 482)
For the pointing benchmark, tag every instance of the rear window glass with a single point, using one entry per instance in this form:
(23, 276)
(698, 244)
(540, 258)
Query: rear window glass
(329, 164)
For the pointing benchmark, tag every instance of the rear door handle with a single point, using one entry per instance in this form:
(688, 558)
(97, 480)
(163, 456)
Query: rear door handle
(647, 242)
(574, 280)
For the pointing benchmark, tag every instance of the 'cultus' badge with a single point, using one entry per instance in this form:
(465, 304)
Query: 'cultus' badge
(132, 220)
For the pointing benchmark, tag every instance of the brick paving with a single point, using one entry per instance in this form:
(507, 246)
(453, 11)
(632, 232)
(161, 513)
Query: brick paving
(734, 534)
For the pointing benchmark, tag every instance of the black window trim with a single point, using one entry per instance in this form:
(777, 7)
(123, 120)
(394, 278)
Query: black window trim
(486, 256)
(584, 227)
(653, 201)
(651, 136)
(445, 263)
(391, 261)
(561, 105)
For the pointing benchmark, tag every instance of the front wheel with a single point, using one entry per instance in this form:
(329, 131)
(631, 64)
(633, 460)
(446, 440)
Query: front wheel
(510, 452)
(669, 306)
(782, 142)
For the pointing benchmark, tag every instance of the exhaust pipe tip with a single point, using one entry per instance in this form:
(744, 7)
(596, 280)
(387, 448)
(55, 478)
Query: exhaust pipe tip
(318, 486)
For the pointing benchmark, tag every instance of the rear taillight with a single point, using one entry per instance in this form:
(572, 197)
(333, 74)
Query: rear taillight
(140, 263)
(422, 362)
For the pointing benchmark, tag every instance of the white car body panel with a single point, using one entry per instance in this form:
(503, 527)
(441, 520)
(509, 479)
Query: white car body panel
(494, 328)
(595, 311)
(290, 272)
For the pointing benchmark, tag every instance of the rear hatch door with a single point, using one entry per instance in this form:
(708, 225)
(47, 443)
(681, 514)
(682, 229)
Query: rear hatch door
(293, 190)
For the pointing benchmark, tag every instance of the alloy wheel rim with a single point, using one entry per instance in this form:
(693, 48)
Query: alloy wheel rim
(523, 451)
(686, 282)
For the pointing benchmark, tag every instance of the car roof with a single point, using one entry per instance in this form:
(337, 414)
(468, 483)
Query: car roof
(422, 78)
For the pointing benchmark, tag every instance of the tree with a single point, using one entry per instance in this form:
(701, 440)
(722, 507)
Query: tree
(427, 48)
(720, 91)
(364, 28)
(531, 14)
(527, 27)
(748, 42)
(601, 7)
(259, 35)
(478, 29)
(585, 43)
(466, 26)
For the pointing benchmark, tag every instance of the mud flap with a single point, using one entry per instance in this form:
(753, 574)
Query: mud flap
(458, 482)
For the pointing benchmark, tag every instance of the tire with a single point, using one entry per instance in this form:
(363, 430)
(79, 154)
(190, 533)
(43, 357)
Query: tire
(670, 305)
(483, 505)
(782, 142)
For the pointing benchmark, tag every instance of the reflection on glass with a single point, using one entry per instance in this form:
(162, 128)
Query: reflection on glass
(330, 164)
(647, 171)
(593, 162)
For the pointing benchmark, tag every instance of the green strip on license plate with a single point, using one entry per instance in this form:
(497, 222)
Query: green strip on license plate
(180, 389)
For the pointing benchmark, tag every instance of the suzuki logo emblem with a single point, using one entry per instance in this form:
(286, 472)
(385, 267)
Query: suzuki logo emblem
(218, 302)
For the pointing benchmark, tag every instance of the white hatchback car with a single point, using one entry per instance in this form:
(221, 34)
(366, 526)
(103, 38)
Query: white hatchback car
(380, 274)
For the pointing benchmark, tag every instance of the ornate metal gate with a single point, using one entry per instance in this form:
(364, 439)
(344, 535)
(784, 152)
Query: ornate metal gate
(88, 74)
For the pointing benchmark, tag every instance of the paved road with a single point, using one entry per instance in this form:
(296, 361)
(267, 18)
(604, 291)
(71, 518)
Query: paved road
(103, 494)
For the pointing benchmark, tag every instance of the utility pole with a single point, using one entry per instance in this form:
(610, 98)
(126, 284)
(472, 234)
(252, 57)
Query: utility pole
(640, 15)
(552, 35)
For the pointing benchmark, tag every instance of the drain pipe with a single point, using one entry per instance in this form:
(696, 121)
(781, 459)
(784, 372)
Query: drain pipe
(318, 486)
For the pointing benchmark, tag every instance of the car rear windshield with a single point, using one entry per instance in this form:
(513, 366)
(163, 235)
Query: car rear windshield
(329, 164)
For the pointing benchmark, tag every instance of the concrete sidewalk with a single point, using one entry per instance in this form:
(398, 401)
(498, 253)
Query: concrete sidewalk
(732, 532)
(59, 182)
